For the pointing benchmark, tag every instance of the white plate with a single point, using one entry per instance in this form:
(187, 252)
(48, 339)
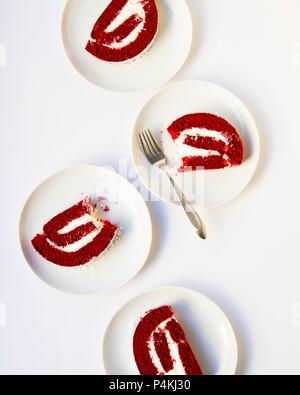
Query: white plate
(208, 188)
(127, 209)
(164, 59)
(207, 328)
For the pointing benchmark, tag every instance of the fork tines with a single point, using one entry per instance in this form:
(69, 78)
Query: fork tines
(150, 146)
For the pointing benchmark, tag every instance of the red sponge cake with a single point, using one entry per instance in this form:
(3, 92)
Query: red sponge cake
(75, 236)
(206, 141)
(160, 346)
(125, 30)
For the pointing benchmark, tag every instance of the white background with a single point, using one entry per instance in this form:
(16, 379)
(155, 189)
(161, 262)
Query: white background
(51, 118)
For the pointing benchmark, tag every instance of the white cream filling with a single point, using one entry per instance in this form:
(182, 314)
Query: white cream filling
(84, 240)
(133, 7)
(178, 368)
(78, 222)
(176, 149)
(204, 133)
(80, 243)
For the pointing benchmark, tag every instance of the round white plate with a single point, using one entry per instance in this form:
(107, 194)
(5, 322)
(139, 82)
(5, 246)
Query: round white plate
(164, 59)
(207, 188)
(127, 209)
(207, 329)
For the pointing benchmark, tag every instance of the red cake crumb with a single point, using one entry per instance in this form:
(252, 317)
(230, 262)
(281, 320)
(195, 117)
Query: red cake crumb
(147, 328)
(102, 41)
(229, 154)
(47, 243)
(104, 207)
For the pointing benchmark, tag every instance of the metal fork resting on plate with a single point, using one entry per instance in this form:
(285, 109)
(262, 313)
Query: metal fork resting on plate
(156, 156)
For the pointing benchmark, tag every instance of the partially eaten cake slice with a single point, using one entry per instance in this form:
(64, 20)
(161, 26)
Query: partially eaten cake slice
(75, 236)
(160, 346)
(126, 29)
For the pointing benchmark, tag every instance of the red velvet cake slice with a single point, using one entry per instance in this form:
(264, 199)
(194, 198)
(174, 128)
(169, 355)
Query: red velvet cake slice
(204, 141)
(125, 30)
(75, 236)
(160, 346)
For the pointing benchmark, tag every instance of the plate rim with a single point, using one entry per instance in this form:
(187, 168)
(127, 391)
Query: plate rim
(166, 288)
(134, 144)
(84, 294)
(135, 91)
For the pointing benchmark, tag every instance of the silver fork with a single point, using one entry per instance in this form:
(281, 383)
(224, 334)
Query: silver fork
(156, 156)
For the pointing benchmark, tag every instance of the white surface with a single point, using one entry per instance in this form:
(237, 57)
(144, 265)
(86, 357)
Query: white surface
(204, 188)
(206, 327)
(156, 66)
(51, 118)
(127, 210)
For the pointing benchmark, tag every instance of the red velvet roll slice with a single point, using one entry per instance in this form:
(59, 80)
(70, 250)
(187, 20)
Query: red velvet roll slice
(125, 29)
(207, 141)
(79, 244)
(160, 345)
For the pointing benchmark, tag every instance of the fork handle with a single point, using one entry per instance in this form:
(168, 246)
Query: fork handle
(192, 215)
